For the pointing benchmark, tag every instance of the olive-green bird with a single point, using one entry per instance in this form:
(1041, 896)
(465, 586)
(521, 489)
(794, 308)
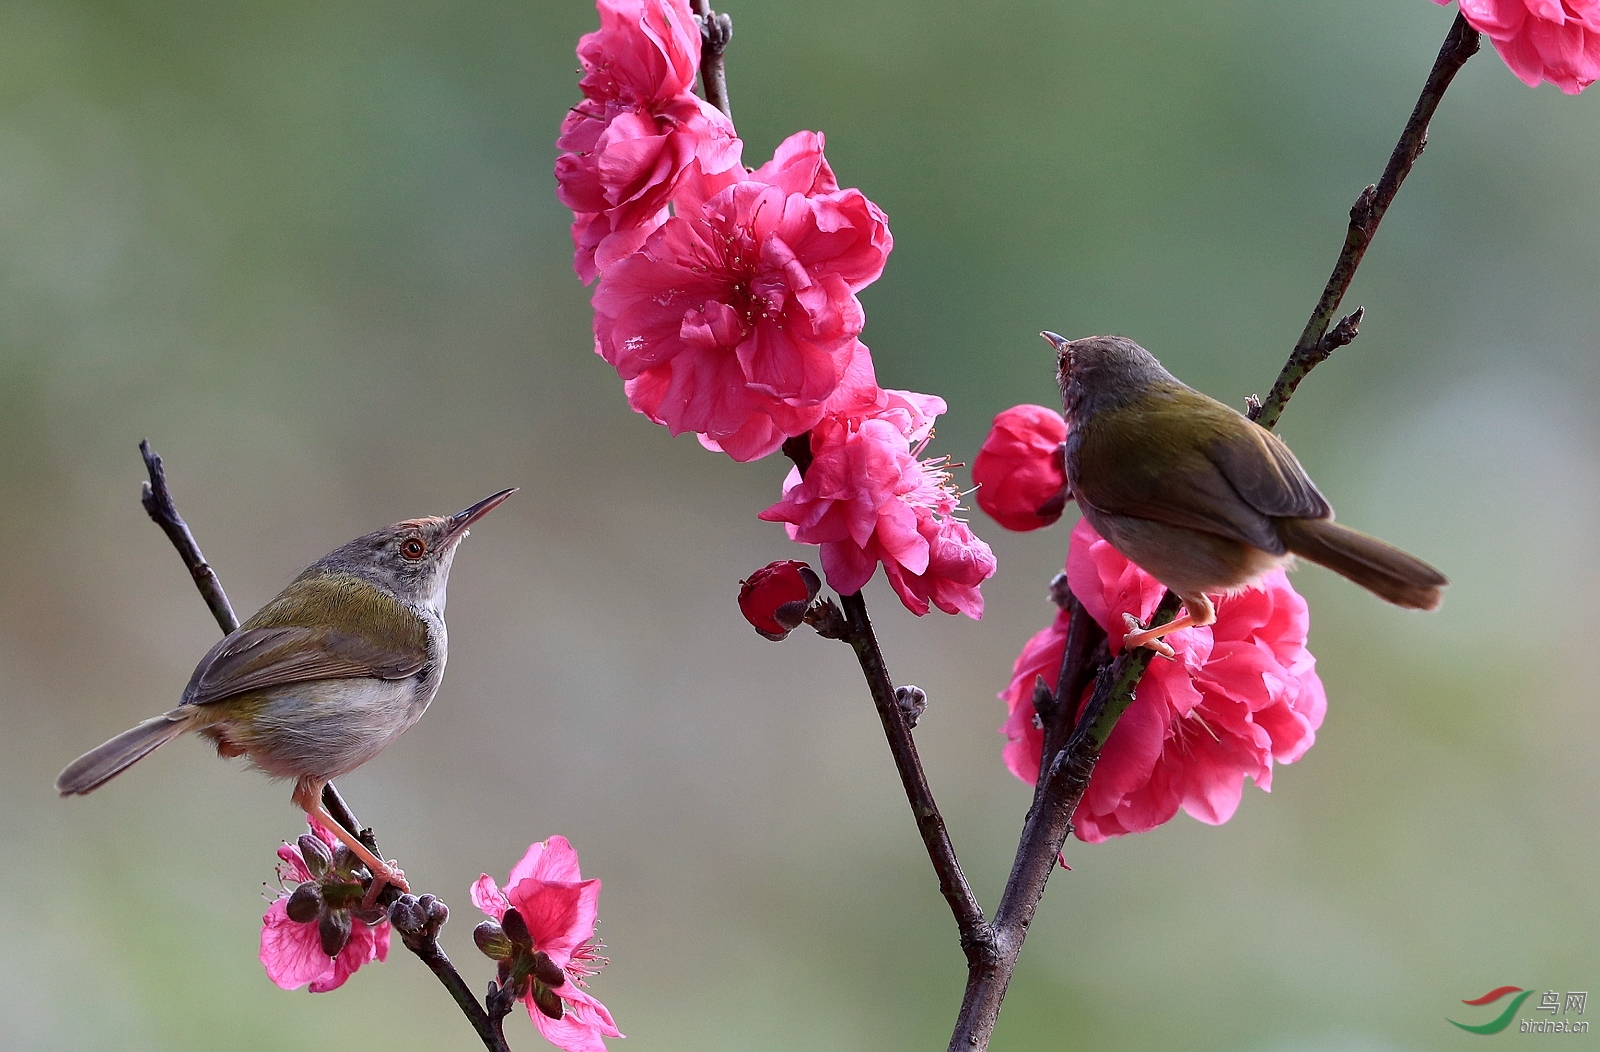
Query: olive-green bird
(323, 677)
(1197, 494)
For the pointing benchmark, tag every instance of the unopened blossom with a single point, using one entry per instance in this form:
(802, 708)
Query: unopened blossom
(1020, 471)
(776, 597)
(543, 936)
(1239, 696)
(1542, 40)
(867, 498)
(627, 145)
(317, 931)
(738, 318)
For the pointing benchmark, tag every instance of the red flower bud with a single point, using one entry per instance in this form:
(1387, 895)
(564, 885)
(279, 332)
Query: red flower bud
(776, 597)
(1020, 471)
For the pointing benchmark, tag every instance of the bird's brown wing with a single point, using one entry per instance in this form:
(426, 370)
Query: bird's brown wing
(1183, 458)
(256, 658)
(356, 632)
(1267, 474)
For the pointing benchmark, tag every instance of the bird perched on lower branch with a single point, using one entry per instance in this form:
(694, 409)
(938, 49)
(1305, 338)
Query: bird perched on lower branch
(1201, 497)
(323, 677)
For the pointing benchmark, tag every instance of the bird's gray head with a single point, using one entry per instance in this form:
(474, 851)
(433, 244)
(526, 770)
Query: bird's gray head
(410, 560)
(1102, 372)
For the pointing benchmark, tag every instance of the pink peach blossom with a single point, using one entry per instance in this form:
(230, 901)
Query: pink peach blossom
(738, 319)
(866, 498)
(293, 952)
(628, 144)
(559, 908)
(1240, 695)
(1553, 40)
(1020, 471)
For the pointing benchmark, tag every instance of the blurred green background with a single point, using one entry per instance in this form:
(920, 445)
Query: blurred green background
(312, 250)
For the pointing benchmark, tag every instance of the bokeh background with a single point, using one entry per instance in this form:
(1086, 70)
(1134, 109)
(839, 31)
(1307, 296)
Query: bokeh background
(312, 250)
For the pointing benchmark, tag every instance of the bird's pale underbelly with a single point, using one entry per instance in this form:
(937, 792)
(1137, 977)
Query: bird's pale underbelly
(323, 728)
(1188, 561)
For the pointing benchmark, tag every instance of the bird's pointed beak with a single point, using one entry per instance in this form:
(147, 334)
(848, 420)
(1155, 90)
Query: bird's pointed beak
(1058, 342)
(461, 520)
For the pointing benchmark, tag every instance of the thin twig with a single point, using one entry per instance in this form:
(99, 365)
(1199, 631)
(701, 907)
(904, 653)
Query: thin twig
(974, 930)
(1065, 773)
(856, 629)
(1460, 44)
(158, 503)
(715, 33)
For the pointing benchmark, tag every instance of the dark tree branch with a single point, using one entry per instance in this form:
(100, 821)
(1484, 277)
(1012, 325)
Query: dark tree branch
(1460, 44)
(418, 920)
(157, 501)
(423, 940)
(976, 938)
(855, 628)
(715, 33)
(1071, 748)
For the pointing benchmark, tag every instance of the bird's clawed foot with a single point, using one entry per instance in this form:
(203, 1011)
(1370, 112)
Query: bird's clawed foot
(1140, 636)
(384, 874)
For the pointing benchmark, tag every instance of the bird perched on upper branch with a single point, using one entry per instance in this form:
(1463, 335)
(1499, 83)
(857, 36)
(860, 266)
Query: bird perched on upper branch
(1201, 497)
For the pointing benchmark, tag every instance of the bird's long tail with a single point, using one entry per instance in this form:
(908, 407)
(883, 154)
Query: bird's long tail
(1380, 568)
(104, 762)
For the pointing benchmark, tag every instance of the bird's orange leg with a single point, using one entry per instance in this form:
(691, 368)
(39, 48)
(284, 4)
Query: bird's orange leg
(308, 797)
(1197, 613)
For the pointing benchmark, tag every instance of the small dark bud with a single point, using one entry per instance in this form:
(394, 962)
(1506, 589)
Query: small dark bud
(315, 853)
(344, 860)
(1061, 592)
(492, 941)
(547, 971)
(516, 928)
(913, 702)
(305, 902)
(1044, 699)
(406, 915)
(547, 1001)
(334, 928)
(435, 911)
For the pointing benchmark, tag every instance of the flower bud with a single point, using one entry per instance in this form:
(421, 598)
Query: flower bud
(516, 928)
(334, 929)
(305, 902)
(405, 914)
(315, 853)
(547, 971)
(776, 597)
(492, 941)
(547, 1001)
(1021, 470)
(435, 911)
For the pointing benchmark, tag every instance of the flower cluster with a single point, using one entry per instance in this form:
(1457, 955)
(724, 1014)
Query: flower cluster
(1542, 40)
(318, 931)
(541, 935)
(727, 303)
(1239, 695)
(640, 126)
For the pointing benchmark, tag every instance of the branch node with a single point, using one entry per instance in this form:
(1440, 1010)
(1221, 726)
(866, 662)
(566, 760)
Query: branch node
(829, 621)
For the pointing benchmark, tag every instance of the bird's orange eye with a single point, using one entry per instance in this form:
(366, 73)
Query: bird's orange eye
(413, 548)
